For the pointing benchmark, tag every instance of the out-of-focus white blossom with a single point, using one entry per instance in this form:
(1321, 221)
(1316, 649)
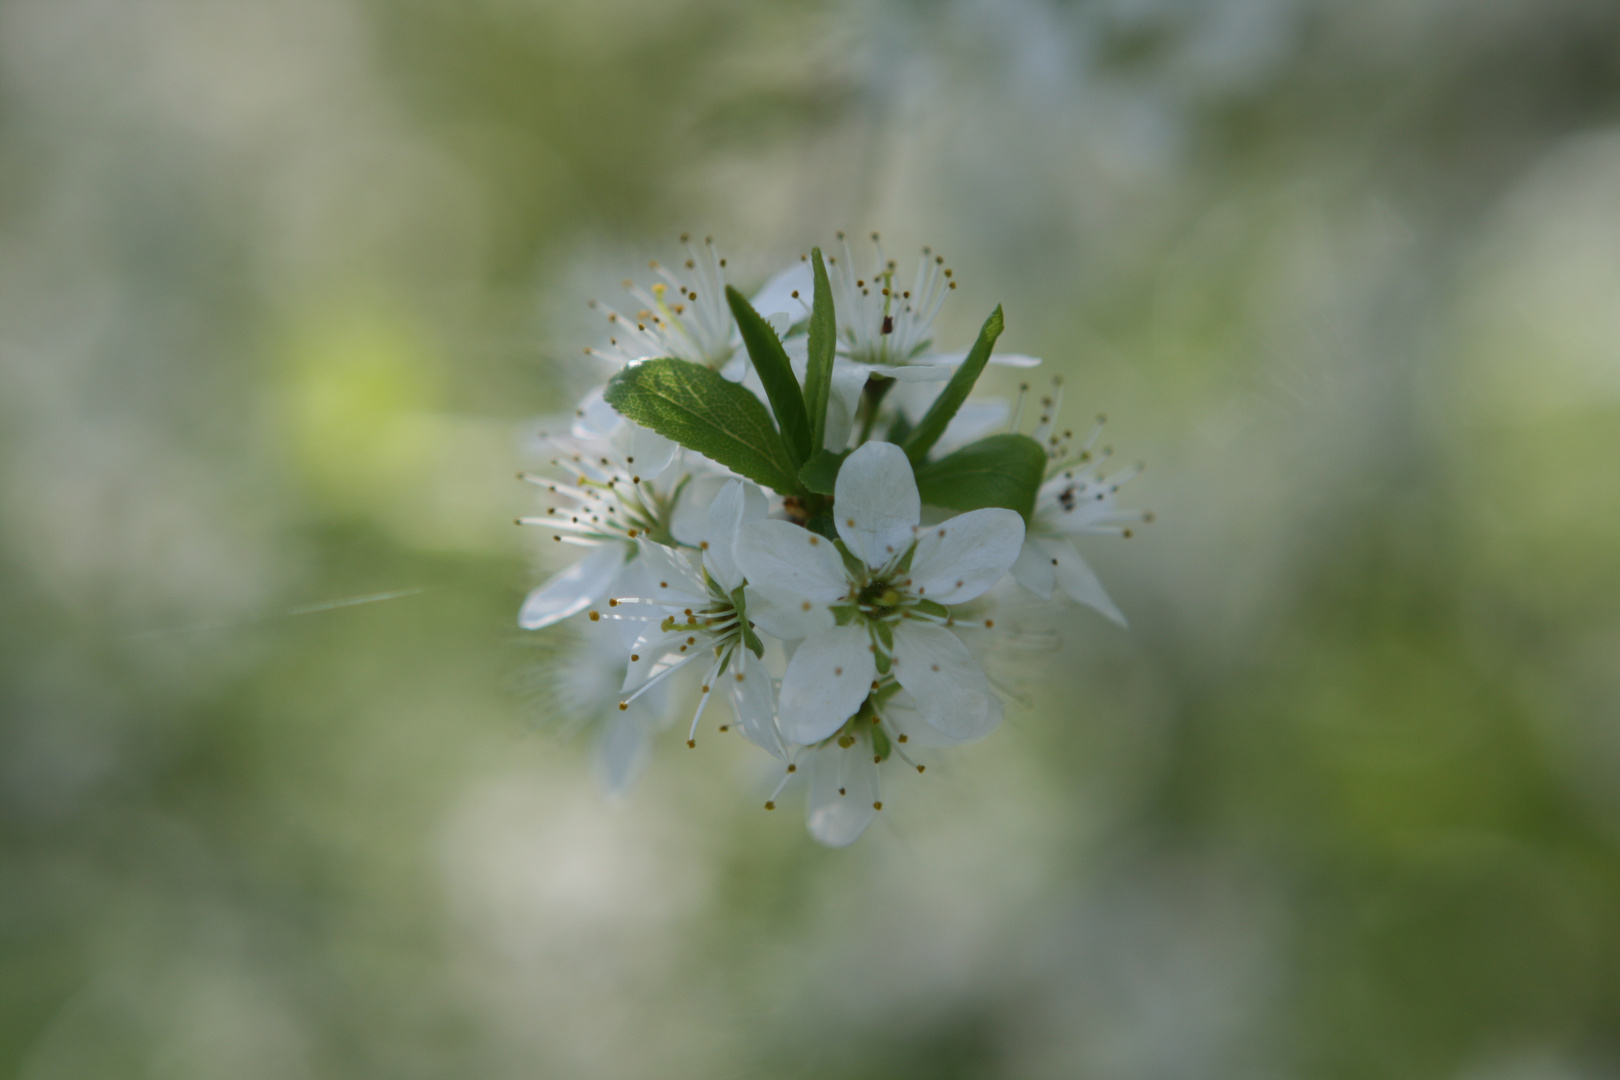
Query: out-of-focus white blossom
(827, 622)
(695, 323)
(1076, 500)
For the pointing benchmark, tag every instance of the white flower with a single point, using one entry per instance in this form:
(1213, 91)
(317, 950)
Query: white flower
(884, 329)
(576, 685)
(619, 492)
(697, 614)
(696, 323)
(845, 780)
(1075, 500)
(876, 609)
(887, 329)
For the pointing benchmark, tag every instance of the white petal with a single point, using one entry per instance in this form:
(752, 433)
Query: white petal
(645, 452)
(1035, 569)
(738, 503)
(1090, 515)
(573, 590)
(777, 293)
(902, 717)
(631, 581)
(655, 652)
(793, 560)
(941, 675)
(689, 523)
(911, 398)
(843, 791)
(918, 369)
(961, 558)
(594, 418)
(848, 382)
(826, 681)
(753, 704)
(670, 578)
(1077, 579)
(1015, 360)
(973, 421)
(786, 615)
(621, 753)
(875, 504)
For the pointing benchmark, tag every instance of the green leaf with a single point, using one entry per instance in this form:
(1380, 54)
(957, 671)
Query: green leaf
(823, 338)
(1003, 470)
(932, 425)
(823, 525)
(781, 385)
(820, 473)
(705, 412)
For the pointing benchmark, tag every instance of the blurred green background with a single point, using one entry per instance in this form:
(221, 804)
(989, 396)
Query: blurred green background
(283, 286)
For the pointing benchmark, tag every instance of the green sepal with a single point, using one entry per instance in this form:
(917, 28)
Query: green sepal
(928, 430)
(882, 659)
(904, 565)
(750, 639)
(929, 607)
(899, 429)
(823, 339)
(885, 636)
(1002, 470)
(853, 564)
(776, 373)
(708, 413)
(844, 614)
(881, 748)
(882, 694)
(820, 473)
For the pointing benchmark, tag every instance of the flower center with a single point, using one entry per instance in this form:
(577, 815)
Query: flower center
(718, 622)
(880, 599)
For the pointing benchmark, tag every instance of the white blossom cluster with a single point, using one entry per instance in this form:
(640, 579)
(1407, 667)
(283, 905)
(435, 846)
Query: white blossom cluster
(826, 602)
